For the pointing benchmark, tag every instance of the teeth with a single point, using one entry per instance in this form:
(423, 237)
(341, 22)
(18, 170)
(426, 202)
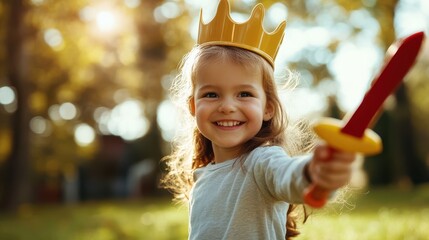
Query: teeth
(228, 123)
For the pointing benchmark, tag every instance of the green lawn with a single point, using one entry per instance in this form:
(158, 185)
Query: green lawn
(376, 214)
(144, 219)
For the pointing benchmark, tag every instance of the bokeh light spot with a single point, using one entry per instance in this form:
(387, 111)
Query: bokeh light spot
(84, 134)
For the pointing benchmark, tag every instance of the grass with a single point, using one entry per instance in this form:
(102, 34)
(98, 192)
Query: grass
(144, 219)
(376, 214)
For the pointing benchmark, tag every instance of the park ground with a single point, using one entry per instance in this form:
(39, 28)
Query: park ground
(387, 213)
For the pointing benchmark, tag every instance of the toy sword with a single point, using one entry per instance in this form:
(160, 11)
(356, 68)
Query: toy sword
(352, 134)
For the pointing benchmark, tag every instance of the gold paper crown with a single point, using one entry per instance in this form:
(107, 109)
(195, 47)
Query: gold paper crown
(250, 35)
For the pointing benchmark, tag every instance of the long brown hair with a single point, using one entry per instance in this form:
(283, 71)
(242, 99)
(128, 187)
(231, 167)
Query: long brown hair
(192, 151)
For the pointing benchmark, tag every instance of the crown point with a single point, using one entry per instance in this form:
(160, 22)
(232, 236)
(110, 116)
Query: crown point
(223, 7)
(258, 12)
(280, 28)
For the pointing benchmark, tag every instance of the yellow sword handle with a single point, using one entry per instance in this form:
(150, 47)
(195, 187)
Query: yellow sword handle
(329, 129)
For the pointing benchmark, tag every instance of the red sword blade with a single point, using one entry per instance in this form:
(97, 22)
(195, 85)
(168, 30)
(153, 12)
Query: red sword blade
(404, 54)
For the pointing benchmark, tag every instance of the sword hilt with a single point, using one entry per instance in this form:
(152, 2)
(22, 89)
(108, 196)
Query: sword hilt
(329, 129)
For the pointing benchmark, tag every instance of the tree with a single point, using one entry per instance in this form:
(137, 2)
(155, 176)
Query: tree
(68, 60)
(16, 169)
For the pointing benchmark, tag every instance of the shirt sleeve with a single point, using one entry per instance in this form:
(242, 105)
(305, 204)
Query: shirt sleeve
(279, 175)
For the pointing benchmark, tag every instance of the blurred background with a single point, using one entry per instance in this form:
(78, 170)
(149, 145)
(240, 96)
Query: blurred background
(84, 107)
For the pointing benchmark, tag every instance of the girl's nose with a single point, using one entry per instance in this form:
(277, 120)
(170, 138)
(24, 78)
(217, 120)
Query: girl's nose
(227, 106)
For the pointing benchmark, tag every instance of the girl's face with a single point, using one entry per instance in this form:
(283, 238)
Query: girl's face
(229, 105)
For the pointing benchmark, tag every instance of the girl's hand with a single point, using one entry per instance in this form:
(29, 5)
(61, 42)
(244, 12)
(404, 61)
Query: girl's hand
(330, 169)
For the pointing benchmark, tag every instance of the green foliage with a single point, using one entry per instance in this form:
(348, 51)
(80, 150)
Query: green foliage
(72, 54)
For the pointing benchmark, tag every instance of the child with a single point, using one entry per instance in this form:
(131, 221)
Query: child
(232, 156)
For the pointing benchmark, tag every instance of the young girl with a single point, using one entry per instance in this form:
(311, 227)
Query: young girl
(232, 159)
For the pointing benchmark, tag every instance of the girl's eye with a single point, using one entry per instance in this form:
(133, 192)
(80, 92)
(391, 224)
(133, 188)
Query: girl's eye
(244, 94)
(210, 95)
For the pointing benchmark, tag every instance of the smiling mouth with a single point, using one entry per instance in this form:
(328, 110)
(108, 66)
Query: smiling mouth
(229, 123)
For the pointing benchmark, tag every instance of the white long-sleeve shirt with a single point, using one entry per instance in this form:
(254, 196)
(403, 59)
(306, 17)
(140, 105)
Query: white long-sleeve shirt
(249, 201)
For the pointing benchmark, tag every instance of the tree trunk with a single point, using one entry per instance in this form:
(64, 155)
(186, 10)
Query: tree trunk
(414, 167)
(382, 168)
(152, 59)
(16, 189)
